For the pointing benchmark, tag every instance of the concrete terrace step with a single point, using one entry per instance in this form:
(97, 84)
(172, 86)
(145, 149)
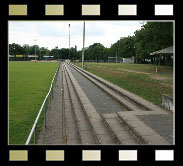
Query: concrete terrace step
(146, 134)
(71, 129)
(85, 131)
(119, 130)
(102, 135)
(125, 102)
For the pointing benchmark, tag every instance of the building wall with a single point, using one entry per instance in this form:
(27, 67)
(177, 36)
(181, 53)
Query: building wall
(128, 60)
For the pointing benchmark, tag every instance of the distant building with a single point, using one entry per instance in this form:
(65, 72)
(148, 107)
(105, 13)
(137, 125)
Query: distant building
(129, 60)
(11, 56)
(68, 60)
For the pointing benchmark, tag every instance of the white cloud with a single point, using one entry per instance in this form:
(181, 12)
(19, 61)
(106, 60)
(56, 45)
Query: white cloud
(56, 33)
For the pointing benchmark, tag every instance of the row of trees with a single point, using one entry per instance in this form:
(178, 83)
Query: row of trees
(151, 37)
(63, 53)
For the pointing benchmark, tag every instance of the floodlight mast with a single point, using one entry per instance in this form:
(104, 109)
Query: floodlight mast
(69, 41)
(35, 49)
(83, 45)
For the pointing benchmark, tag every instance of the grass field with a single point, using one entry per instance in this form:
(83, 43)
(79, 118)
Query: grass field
(140, 79)
(28, 85)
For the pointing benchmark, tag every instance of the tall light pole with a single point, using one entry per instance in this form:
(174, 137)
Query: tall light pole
(69, 41)
(83, 45)
(35, 49)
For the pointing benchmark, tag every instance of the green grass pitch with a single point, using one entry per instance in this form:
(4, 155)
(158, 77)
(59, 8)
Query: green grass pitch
(29, 83)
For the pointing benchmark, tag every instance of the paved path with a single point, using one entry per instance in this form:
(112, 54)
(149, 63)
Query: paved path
(52, 134)
(102, 102)
(161, 123)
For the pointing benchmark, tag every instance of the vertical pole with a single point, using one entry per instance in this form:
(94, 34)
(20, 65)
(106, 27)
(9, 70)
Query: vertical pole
(52, 91)
(45, 116)
(45, 105)
(35, 53)
(83, 45)
(69, 41)
(35, 50)
(50, 95)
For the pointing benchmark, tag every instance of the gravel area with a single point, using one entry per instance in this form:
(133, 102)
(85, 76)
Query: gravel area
(162, 124)
(102, 102)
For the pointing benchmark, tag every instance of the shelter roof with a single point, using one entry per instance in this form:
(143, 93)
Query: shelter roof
(168, 50)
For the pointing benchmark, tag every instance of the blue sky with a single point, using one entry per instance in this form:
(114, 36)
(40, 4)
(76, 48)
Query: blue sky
(56, 33)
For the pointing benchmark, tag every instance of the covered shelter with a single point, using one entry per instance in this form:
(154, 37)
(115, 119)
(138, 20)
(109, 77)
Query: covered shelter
(166, 53)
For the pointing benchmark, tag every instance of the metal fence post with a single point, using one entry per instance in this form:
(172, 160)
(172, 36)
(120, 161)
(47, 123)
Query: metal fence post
(52, 91)
(50, 96)
(45, 117)
(57, 75)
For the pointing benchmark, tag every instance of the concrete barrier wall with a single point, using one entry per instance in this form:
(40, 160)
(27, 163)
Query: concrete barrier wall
(167, 102)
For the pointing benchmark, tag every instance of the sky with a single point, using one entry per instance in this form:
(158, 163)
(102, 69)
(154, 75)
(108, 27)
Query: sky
(53, 34)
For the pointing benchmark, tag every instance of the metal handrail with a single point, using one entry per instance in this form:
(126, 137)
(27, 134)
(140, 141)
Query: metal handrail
(50, 93)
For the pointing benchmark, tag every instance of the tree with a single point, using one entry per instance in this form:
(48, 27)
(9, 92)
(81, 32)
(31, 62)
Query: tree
(96, 52)
(43, 52)
(153, 36)
(124, 48)
(56, 53)
(15, 49)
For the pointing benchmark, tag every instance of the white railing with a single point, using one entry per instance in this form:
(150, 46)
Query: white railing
(44, 106)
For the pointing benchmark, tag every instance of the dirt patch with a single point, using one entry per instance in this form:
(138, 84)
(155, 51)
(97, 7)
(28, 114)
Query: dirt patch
(108, 72)
(139, 72)
(161, 77)
(99, 66)
(156, 77)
